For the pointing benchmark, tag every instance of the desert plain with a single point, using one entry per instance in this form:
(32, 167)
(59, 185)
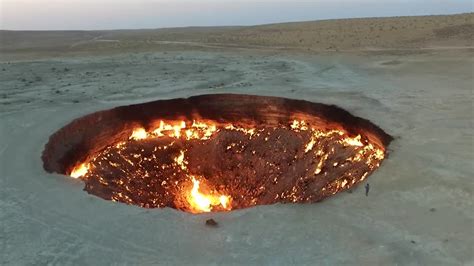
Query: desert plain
(412, 76)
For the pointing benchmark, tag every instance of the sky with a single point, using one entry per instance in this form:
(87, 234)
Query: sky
(138, 14)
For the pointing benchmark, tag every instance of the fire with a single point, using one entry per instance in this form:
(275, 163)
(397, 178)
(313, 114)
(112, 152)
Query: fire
(354, 141)
(171, 130)
(247, 131)
(198, 201)
(207, 129)
(138, 134)
(129, 171)
(205, 203)
(310, 145)
(224, 200)
(80, 170)
(299, 125)
(180, 161)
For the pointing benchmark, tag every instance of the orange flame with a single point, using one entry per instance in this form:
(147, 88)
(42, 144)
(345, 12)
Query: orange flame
(354, 141)
(205, 203)
(80, 170)
(138, 134)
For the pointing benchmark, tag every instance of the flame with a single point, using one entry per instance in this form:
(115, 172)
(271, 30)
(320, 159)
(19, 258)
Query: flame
(310, 145)
(205, 203)
(207, 129)
(158, 130)
(354, 141)
(246, 131)
(198, 201)
(299, 125)
(80, 170)
(138, 134)
(224, 200)
(171, 130)
(198, 130)
(180, 161)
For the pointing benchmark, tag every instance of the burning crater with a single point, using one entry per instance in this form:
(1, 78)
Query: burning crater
(217, 152)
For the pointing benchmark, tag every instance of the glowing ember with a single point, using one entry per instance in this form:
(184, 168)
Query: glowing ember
(252, 154)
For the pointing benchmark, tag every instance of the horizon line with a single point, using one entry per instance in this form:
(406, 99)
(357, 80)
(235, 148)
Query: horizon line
(233, 26)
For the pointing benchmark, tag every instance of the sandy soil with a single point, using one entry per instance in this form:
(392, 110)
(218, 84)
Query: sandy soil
(419, 210)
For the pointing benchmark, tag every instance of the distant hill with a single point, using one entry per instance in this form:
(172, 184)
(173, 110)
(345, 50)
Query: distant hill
(448, 31)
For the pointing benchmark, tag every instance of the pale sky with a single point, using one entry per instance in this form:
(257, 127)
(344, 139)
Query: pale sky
(134, 14)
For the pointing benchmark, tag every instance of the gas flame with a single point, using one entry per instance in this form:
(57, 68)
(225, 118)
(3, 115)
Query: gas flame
(354, 141)
(205, 203)
(80, 170)
(198, 201)
(299, 125)
(138, 134)
(171, 130)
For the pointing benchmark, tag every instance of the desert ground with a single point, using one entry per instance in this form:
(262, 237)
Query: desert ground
(412, 76)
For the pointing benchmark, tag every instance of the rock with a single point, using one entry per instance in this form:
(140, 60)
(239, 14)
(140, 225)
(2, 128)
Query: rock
(211, 223)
